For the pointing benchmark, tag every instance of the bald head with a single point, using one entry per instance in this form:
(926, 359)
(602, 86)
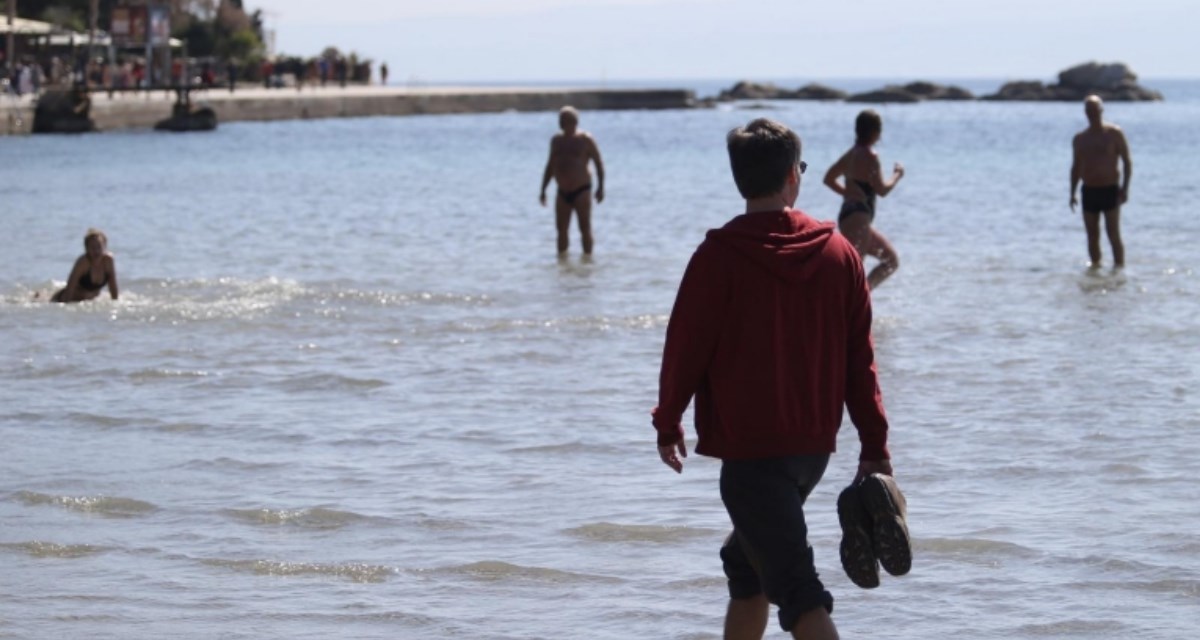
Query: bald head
(1093, 107)
(568, 118)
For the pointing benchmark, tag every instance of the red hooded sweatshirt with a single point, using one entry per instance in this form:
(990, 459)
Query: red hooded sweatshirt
(771, 332)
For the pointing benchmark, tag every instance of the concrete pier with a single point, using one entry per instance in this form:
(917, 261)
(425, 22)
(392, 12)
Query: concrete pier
(142, 111)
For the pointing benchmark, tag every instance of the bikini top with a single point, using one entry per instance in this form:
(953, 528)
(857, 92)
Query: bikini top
(85, 282)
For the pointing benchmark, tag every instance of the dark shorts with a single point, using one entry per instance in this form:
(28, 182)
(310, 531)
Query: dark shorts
(768, 551)
(1097, 199)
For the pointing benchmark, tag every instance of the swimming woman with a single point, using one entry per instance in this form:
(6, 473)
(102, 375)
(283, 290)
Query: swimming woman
(861, 183)
(93, 271)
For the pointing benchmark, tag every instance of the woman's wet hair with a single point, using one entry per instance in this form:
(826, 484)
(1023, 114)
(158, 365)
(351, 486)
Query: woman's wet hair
(866, 126)
(762, 154)
(97, 234)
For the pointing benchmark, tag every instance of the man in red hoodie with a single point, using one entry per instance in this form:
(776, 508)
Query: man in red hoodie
(771, 332)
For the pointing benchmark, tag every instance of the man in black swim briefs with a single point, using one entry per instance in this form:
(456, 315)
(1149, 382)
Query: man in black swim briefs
(570, 151)
(1105, 187)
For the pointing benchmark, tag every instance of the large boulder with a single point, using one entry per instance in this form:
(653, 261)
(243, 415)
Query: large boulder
(934, 91)
(912, 92)
(746, 90)
(1093, 75)
(890, 93)
(1113, 82)
(815, 91)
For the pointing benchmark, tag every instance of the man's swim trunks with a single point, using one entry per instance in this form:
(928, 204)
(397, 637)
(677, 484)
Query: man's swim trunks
(1097, 199)
(569, 196)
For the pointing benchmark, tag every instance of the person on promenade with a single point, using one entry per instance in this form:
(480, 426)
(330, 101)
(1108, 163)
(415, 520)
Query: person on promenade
(570, 151)
(771, 332)
(93, 270)
(1105, 188)
(231, 72)
(383, 74)
(862, 181)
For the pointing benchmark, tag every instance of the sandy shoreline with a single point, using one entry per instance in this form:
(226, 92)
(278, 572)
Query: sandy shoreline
(140, 111)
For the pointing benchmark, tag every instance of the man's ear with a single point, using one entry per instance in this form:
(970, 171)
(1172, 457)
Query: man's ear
(794, 175)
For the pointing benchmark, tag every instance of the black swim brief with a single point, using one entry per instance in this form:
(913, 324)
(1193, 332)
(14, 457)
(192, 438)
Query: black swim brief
(768, 551)
(569, 196)
(1097, 199)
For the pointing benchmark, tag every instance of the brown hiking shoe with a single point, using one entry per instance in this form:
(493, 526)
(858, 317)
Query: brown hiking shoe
(857, 550)
(889, 529)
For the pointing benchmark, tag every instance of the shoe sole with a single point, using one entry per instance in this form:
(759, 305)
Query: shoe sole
(888, 511)
(856, 550)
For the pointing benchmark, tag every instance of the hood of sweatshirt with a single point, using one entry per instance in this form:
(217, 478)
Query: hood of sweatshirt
(781, 242)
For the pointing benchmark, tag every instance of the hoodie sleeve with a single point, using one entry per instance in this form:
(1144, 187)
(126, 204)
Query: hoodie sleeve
(864, 400)
(692, 335)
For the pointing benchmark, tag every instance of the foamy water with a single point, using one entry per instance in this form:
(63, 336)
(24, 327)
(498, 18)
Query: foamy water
(350, 392)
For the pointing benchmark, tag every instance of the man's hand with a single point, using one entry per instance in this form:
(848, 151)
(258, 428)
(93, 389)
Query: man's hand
(669, 457)
(542, 198)
(1074, 201)
(867, 467)
(1124, 195)
(600, 194)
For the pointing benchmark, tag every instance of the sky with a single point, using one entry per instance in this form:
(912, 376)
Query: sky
(604, 40)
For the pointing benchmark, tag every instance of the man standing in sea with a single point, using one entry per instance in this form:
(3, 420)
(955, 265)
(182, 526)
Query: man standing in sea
(771, 333)
(1105, 188)
(570, 151)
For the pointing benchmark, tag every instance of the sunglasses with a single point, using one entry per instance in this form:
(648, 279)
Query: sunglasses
(803, 166)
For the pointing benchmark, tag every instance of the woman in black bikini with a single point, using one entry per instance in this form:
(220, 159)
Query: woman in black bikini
(861, 183)
(93, 271)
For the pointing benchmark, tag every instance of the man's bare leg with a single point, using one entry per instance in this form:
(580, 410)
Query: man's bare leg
(1091, 223)
(746, 618)
(584, 211)
(562, 222)
(1112, 227)
(815, 625)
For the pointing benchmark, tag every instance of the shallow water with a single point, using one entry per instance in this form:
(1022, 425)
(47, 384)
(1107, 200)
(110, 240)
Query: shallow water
(349, 391)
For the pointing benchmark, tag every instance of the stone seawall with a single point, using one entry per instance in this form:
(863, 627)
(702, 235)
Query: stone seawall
(142, 111)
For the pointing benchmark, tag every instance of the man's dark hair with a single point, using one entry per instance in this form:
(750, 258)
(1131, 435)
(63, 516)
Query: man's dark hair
(762, 154)
(867, 124)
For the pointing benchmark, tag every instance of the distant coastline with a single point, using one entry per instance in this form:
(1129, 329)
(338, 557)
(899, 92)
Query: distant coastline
(1111, 81)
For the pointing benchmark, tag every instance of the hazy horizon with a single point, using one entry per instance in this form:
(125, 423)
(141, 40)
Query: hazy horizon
(634, 40)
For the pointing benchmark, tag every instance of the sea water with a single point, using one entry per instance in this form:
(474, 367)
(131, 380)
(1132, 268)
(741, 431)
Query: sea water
(349, 391)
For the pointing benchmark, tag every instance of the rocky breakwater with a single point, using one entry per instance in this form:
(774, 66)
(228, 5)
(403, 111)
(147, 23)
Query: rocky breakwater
(1114, 82)
(745, 90)
(912, 92)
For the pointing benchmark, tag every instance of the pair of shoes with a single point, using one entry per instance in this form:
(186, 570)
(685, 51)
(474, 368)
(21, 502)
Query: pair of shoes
(857, 551)
(888, 510)
(874, 530)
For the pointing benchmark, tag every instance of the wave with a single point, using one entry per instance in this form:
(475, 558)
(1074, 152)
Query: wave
(1167, 586)
(981, 547)
(330, 382)
(354, 571)
(108, 506)
(314, 518)
(1084, 628)
(495, 570)
(171, 300)
(40, 549)
(148, 375)
(611, 532)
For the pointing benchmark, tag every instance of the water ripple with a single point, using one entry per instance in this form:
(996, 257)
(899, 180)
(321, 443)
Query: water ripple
(40, 549)
(612, 532)
(108, 506)
(314, 518)
(354, 571)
